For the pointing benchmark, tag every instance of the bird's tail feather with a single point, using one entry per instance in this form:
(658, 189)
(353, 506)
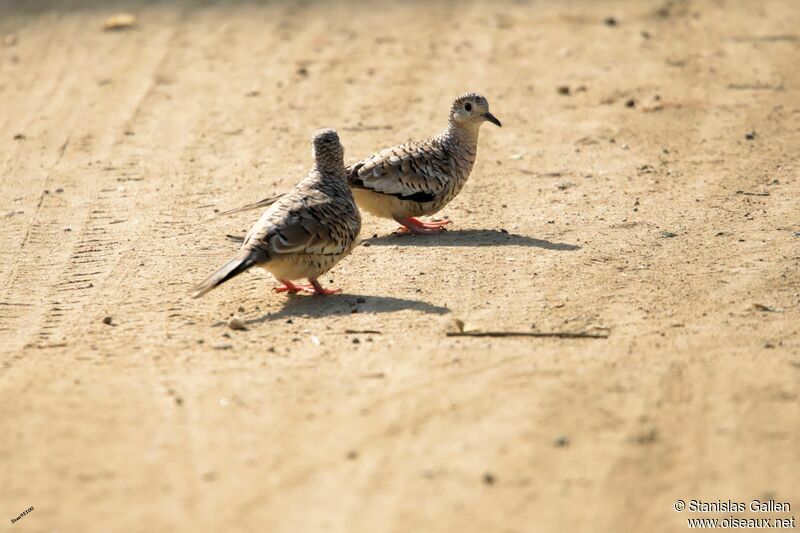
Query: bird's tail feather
(229, 270)
(255, 205)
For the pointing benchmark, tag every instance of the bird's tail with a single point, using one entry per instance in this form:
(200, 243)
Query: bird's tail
(351, 172)
(231, 269)
(255, 205)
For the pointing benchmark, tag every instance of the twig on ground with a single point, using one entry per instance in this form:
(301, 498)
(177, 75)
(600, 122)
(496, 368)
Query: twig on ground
(788, 37)
(559, 334)
(746, 193)
(660, 106)
(767, 308)
(755, 87)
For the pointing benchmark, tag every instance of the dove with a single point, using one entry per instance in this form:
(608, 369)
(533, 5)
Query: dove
(304, 232)
(420, 178)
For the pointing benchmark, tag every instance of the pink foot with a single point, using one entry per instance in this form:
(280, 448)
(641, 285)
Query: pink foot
(320, 291)
(433, 223)
(293, 288)
(413, 225)
(314, 288)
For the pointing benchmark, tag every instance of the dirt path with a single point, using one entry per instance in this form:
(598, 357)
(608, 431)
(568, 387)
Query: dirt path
(660, 224)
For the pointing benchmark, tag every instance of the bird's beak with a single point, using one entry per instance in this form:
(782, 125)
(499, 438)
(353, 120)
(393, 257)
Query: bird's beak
(493, 119)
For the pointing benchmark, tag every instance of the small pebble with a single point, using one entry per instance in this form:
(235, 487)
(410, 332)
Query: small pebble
(236, 324)
(630, 103)
(750, 135)
(610, 21)
(561, 442)
(563, 89)
(118, 22)
(489, 479)
(361, 300)
(107, 320)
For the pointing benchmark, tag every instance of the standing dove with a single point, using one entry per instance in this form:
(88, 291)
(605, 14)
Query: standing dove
(420, 178)
(306, 231)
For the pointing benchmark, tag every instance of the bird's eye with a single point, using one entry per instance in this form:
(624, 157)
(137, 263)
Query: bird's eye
(468, 106)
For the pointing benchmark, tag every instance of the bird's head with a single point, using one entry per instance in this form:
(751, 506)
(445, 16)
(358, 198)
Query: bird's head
(472, 109)
(327, 150)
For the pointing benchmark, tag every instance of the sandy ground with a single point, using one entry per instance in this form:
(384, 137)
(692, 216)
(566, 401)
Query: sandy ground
(656, 221)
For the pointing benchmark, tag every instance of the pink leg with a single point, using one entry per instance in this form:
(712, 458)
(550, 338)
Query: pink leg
(290, 287)
(319, 291)
(413, 225)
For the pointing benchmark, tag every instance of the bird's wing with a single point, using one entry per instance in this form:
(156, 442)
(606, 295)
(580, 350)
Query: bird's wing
(303, 221)
(266, 202)
(417, 172)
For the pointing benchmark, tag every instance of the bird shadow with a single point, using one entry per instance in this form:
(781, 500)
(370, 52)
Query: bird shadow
(345, 304)
(470, 237)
